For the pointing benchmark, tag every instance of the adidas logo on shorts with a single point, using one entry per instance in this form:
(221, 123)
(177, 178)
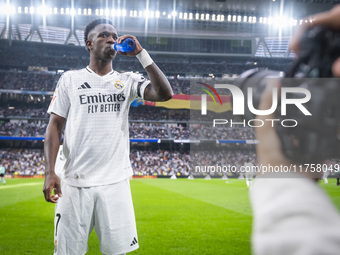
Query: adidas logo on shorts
(134, 241)
(85, 86)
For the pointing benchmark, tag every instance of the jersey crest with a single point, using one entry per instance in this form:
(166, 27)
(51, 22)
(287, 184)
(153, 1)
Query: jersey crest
(119, 85)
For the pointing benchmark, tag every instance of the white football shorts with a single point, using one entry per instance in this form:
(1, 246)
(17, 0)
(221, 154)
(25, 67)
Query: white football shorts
(107, 208)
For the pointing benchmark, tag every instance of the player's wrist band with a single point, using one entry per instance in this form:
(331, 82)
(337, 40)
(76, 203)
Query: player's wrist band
(144, 58)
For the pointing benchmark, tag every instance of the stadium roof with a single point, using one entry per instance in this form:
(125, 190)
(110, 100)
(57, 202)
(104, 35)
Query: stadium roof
(264, 7)
(63, 21)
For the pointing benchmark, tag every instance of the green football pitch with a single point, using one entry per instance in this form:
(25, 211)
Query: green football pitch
(173, 217)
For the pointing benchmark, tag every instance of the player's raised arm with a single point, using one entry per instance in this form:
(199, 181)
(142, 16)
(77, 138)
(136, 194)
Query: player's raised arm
(159, 89)
(51, 147)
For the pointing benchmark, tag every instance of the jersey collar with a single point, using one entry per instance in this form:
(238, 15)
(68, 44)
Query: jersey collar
(91, 71)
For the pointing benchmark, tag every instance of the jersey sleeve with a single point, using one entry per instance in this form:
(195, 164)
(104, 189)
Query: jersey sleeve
(139, 83)
(60, 102)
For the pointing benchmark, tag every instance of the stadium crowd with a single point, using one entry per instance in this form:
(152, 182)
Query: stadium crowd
(141, 130)
(43, 81)
(31, 81)
(23, 161)
(145, 162)
(148, 130)
(7, 128)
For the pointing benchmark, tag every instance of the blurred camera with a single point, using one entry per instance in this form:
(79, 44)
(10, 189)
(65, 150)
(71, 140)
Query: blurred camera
(315, 136)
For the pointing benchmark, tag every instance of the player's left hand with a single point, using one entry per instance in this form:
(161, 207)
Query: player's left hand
(138, 48)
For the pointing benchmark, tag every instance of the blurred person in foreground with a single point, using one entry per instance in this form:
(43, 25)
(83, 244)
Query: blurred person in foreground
(292, 215)
(94, 102)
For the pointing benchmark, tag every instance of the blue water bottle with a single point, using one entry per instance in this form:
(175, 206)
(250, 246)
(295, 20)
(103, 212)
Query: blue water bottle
(126, 45)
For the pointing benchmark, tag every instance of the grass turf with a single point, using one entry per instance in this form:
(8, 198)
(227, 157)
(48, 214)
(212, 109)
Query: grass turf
(173, 217)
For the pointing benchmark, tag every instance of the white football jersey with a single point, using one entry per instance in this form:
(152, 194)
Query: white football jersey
(96, 139)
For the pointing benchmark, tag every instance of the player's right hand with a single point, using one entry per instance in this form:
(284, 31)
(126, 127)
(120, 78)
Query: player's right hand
(138, 47)
(52, 183)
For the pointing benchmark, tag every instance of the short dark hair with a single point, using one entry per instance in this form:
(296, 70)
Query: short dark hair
(94, 23)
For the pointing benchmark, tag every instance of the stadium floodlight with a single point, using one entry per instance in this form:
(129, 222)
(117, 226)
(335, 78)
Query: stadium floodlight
(163, 13)
(265, 20)
(213, 17)
(146, 14)
(169, 16)
(89, 11)
(270, 20)
(222, 17)
(202, 16)
(234, 18)
(84, 11)
(55, 11)
(9, 9)
(280, 21)
(197, 16)
(254, 19)
(239, 18)
(101, 12)
(185, 16)
(157, 14)
(180, 15)
(207, 16)
(19, 9)
(173, 13)
(245, 19)
(191, 15)
(72, 11)
(67, 11)
(26, 10)
(97, 12)
(123, 13)
(32, 10)
(107, 12)
(229, 18)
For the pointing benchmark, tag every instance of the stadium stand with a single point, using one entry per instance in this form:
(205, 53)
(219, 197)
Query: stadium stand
(34, 58)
